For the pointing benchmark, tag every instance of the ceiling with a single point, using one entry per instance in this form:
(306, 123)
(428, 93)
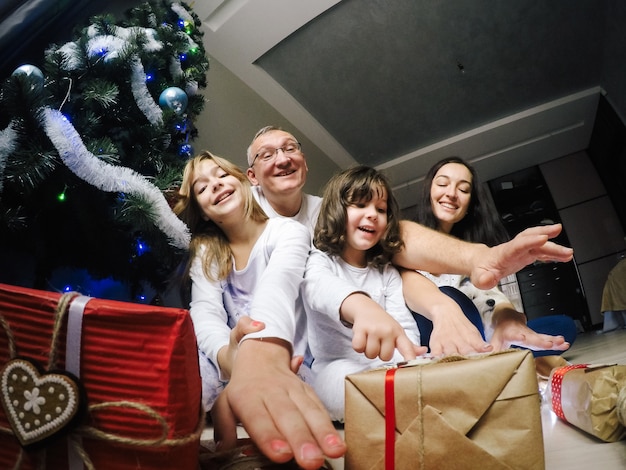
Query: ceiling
(399, 84)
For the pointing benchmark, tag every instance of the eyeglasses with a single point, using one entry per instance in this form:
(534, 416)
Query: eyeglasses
(266, 155)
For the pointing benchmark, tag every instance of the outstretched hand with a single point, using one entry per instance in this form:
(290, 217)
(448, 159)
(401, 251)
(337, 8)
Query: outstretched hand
(454, 334)
(380, 335)
(282, 414)
(514, 333)
(227, 354)
(527, 247)
(245, 326)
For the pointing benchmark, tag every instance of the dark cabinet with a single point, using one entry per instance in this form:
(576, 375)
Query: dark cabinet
(553, 289)
(523, 200)
(592, 221)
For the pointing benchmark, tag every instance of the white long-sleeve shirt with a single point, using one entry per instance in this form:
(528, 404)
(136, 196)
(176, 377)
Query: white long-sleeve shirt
(328, 281)
(267, 289)
(307, 215)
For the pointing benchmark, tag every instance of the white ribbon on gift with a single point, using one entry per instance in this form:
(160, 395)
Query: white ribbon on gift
(72, 361)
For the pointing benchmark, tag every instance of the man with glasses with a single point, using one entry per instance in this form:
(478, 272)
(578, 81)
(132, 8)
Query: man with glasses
(278, 410)
(277, 170)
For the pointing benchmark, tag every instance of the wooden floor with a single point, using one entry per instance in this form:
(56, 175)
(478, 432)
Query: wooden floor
(566, 447)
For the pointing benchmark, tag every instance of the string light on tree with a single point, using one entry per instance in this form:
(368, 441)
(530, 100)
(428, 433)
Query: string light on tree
(61, 196)
(95, 137)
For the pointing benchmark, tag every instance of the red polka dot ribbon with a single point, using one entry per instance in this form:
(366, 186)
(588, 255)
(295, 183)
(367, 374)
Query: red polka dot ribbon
(556, 383)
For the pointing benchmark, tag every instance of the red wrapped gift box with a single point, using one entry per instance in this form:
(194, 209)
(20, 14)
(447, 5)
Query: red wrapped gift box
(138, 366)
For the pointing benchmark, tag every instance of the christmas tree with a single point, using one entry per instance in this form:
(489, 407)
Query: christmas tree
(93, 142)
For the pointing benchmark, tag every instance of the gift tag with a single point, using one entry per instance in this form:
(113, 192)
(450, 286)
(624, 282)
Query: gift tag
(37, 405)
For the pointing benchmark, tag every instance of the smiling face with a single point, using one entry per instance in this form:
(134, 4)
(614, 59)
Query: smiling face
(450, 194)
(283, 175)
(366, 222)
(218, 193)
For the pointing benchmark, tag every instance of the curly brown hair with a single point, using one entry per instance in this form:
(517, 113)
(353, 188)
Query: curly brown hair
(351, 186)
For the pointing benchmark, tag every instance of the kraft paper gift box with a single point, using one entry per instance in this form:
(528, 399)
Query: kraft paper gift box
(137, 365)
(478, 412)
(591, 398)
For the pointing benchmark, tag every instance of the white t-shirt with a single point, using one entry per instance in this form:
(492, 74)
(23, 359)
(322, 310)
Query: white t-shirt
(328, 281)
(307, 215)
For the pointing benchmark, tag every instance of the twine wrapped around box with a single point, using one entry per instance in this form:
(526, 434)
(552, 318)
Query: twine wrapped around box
(166, 448)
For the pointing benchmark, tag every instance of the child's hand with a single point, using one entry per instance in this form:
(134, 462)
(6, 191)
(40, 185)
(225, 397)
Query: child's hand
(376, 334)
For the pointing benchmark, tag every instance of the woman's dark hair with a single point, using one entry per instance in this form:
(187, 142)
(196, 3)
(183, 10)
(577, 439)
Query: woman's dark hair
(351, 186)
(481, 224)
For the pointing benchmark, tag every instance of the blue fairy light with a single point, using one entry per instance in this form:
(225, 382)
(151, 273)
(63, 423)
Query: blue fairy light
(185, 150)
(141, 247)
(181, 126)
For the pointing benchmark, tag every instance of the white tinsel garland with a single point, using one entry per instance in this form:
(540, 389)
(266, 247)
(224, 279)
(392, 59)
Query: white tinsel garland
(107, 46)
(191, 88)
(152, 44)
(8, 138)
(110, 178)
(182, 12)
(176, 69)
(142, 95)
(70, 52)
(110, 46)
(192, 44)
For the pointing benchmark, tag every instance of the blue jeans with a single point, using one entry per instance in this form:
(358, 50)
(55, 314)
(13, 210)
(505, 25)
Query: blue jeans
(550, 325)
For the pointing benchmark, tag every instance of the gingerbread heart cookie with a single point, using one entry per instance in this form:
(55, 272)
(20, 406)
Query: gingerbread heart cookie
(37, 405)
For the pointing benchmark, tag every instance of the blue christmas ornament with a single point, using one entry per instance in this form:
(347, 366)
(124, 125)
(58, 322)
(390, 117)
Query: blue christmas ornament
(31, 76)
(175, 99)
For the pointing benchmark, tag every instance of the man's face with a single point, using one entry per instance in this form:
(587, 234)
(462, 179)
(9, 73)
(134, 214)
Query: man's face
(278, 169)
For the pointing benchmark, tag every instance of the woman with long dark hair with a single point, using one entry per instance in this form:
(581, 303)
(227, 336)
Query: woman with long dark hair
(454, 202)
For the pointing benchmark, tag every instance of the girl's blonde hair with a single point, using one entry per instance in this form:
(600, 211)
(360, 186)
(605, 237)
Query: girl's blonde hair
(358, 184)
(217, 255)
